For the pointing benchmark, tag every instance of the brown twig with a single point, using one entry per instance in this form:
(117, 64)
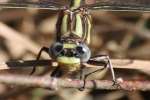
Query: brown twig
(47, 82)
(117, 63)
(68, 83)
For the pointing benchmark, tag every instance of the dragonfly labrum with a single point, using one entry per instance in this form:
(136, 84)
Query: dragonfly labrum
(73, 31)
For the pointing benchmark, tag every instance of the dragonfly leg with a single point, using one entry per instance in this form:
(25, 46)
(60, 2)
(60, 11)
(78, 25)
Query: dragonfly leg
(56, 73)
(81, 73)
(54, 78)
(105, 60)
(110, 66)
(86, 76)
(45, 49)
(81, 78)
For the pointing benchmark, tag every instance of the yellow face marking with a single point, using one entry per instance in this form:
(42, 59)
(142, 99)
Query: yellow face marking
(69, 63)
(69, 45)
(68, 60)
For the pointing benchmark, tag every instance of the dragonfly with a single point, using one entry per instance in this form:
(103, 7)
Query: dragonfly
(73, 31)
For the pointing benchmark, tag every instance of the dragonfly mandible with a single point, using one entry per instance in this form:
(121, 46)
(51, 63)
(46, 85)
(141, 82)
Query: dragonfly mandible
(73, 32)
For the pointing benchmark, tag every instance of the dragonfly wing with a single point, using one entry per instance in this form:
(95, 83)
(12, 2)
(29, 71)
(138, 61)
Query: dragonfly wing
(28, 4)
(120, 5)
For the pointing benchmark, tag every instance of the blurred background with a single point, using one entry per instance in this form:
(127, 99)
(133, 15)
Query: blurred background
(118, 34)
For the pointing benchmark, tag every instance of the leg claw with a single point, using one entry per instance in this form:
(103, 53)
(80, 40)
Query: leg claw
(116, 84)
(83, 86)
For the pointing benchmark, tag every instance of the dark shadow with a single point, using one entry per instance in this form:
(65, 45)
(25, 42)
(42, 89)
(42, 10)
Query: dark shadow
(28, 63)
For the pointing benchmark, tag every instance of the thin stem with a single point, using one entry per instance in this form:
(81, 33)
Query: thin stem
(46, 82)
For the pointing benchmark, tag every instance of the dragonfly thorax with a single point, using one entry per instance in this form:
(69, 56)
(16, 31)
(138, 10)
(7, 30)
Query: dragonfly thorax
(74, 4)
(74, 24)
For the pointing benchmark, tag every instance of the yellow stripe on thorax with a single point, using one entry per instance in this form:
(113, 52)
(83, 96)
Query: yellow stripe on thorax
(74, 4)
(78, 25)
(88, 30)
(64, 25)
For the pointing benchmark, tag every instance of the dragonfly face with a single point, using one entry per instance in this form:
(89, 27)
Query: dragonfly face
(69, 54)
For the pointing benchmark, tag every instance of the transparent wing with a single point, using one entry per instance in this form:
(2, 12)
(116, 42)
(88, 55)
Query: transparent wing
(120, 5)
(41, 4)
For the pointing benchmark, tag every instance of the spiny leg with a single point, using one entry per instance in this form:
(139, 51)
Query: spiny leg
(107, 64)
(81, 72)
(106, 59)
(81, 78)
(115, 83)
(45, 49)
(86, 76)
(57, 73)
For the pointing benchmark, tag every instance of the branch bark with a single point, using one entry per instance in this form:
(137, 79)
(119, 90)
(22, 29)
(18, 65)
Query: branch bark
(47, 82)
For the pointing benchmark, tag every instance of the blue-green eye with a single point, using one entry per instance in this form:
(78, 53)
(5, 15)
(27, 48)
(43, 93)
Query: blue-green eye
(83, 52)
(56, 49)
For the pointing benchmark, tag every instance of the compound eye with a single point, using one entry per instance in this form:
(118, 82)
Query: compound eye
(83, 52)
(56, 49)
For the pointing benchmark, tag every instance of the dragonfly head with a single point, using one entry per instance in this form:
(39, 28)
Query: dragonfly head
(70, 53)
